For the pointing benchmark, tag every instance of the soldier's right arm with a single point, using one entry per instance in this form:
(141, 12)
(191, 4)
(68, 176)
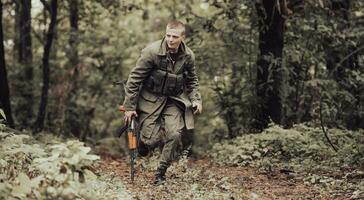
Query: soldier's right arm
(138, 74)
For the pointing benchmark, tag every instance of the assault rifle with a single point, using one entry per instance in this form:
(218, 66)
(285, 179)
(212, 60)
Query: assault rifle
(132, 142)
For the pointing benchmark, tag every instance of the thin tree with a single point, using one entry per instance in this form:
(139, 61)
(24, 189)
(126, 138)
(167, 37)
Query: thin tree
(25, 59)
(52, 9)
(4, 87)
(73, 40)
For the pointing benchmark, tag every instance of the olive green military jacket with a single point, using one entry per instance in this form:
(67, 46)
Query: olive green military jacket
(139, 99)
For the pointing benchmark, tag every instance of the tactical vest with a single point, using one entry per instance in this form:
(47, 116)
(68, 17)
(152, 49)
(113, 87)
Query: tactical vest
(163, 82)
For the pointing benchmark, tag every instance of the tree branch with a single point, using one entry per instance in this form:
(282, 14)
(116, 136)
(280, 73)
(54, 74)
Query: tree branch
(323, 128)
(349, 55)
(38, 36)
(46, 5)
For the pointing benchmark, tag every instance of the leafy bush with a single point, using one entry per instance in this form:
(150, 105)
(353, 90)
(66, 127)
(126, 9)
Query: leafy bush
(32, 170)
(302, 153)
(302, 146)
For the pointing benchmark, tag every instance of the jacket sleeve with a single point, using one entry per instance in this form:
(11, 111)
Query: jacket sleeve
(192, 85)
(138, 74)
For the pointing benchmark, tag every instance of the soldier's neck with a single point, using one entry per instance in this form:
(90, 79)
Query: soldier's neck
(174, 51)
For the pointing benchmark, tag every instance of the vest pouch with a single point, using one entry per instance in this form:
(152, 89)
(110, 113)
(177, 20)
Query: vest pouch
(163, 64)
(170, 87)
(164, 83)
(155, 81)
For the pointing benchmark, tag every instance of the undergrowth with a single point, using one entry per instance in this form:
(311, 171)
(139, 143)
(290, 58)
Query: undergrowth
(302, 149)
(31, 169)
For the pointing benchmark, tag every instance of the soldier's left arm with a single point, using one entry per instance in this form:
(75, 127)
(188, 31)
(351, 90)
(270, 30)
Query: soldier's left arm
(191, 81)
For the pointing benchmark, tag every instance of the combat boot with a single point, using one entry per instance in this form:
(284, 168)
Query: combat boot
(160, 175)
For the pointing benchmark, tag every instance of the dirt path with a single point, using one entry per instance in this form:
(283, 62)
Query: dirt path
(201, 179)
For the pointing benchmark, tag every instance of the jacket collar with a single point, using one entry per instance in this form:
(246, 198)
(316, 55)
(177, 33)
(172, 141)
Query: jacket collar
(163, 48)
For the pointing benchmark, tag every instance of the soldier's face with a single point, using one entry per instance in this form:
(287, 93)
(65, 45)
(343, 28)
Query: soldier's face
(174, 37)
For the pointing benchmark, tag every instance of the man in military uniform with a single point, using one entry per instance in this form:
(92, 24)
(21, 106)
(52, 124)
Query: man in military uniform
(162, 92)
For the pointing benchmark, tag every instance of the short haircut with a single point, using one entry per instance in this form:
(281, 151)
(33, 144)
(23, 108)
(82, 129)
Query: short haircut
(177, 24)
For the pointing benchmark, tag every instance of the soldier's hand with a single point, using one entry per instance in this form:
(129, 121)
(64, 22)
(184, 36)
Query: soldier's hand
(129, 115)
(197, 108)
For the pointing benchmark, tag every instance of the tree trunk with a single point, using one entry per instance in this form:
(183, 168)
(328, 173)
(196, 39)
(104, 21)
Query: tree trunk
(74, 63)
(38, 126)
(73, 39)
(4, 87)
(269, 74)
(25, 59)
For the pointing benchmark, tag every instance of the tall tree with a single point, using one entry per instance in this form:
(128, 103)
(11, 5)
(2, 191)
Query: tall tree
(4, 87)
(25, 59)
(269, 74)
(52, 9)
(73, 38)
(70, 123)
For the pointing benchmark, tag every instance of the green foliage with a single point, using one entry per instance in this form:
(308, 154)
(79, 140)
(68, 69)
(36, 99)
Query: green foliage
(33, 170)
(301, 145)
(2, 113)
(323, 69)
(224, 37)
(302, 149)
(226, 72)
(2, 117)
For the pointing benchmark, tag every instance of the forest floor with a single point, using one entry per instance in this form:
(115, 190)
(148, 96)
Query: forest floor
(273, 165)
(202, 179)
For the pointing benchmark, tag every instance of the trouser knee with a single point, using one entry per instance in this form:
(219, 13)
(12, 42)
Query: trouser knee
(175, 137)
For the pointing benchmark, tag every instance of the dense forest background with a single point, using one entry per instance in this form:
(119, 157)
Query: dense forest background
(258, 62)
(261, 64)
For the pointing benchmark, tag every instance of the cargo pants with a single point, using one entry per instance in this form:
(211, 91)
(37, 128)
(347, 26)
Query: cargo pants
(167, 129)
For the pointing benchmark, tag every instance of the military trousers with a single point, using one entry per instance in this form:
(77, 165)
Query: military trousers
(166, 131)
